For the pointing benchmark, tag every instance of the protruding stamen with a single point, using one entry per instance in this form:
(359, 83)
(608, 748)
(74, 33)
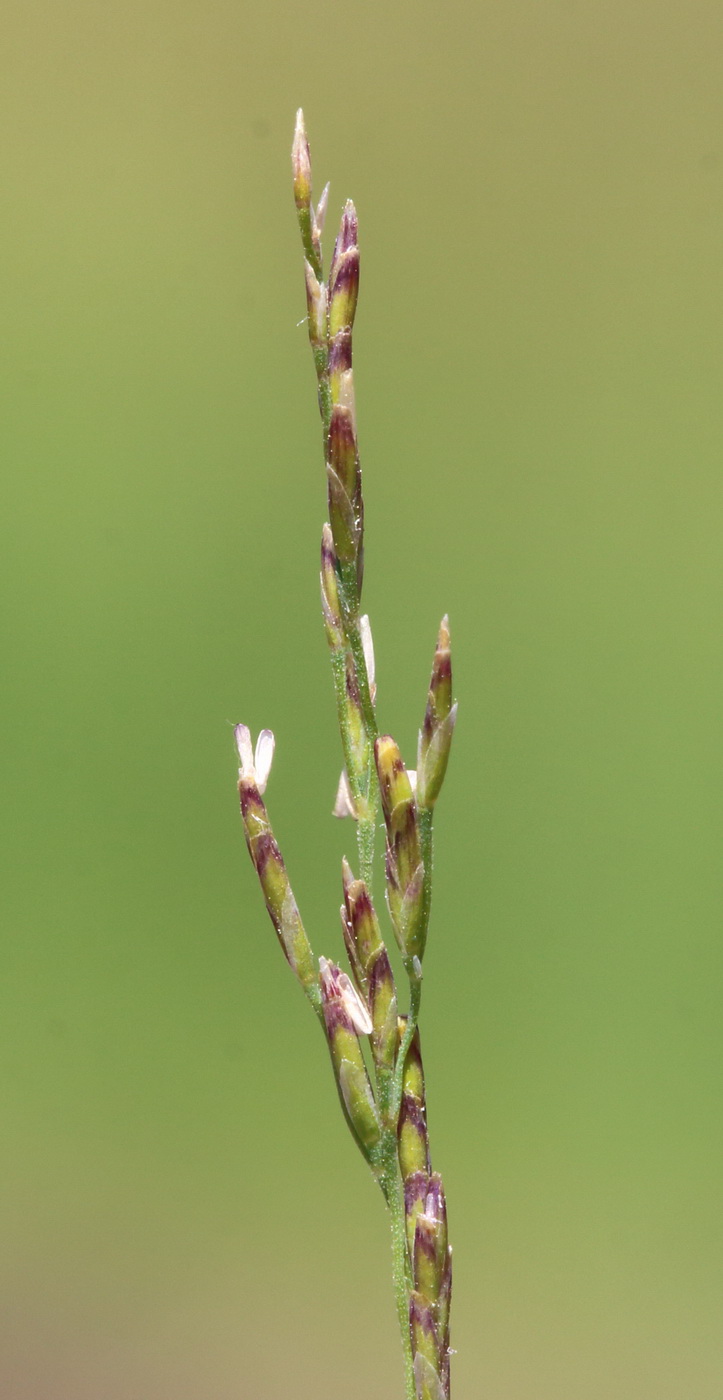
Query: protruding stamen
(345, 1018)
(255, 764)
(320, 212)
(242, 735)
(263, 758)
(368, 648)
(335, 983)
(343, 802)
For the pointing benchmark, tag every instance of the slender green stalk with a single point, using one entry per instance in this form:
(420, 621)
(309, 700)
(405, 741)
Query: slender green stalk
(401, 1272)
(365, 832)
(385, 1108)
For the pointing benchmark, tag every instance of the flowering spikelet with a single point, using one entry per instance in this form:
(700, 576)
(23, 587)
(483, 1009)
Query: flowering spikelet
(416, 1187)
(426, 1228)
(430, 1242)
(346, 511)
(268, 861)
(432, 1274)
(344, 272)
(371, 967)
(345, 1016)
(413, 1142)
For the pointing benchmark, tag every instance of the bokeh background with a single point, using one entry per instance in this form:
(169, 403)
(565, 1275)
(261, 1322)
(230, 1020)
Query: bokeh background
(538, 364)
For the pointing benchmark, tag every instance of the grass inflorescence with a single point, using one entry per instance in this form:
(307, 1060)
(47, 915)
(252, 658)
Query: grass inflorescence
(382, 1093)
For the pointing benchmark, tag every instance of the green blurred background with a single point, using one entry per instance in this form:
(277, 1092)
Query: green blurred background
(538, 364)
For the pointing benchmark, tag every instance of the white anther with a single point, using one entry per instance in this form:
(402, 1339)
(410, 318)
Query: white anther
(242, 735)
(336, 984)
(320, 214)
(263, 758)
(344, 802)
(255, 765)
(367, 647)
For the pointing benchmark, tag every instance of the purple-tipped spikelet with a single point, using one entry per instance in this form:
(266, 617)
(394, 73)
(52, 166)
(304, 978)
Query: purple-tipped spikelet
(371, 967)
(435, 736)
(430, 1242)
(301, 173)
(413, 1140)
(346, 508)
(432, 1274)
(416, 1189)
(426, 1231)
(344, 275)
(404, 866)
(345, 1016)
(301, 164)
(383, 1004)
(412, 1134)
(413, 1076)
(269, 865)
